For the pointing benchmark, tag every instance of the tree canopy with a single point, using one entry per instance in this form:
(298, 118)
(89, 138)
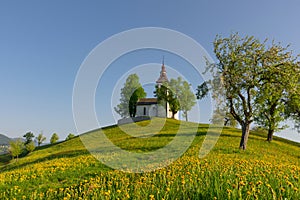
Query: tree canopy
(255, 81)
(130, 94)
(177, 93)
(54, 138)
(278, 79)
(70, 136)
(28, 137)
(40, 139)
(16, 148)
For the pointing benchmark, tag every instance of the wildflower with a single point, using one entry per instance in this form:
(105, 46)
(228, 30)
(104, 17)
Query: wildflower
(259, 182)
(242, 183)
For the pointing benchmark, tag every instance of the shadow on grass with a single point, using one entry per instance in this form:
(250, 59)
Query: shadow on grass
(4, 159)
(63, 154)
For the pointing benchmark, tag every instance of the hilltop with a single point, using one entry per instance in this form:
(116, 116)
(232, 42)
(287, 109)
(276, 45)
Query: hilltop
(67, 170)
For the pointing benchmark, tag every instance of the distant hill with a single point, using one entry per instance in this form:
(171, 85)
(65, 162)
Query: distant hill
(4, 140)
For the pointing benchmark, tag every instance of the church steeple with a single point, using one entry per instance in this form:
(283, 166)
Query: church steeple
(163, 74)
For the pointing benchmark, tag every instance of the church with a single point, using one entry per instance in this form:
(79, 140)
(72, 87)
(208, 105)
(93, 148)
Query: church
(150, 107)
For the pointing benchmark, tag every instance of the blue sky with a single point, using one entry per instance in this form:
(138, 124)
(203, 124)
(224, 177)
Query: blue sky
(43, 43)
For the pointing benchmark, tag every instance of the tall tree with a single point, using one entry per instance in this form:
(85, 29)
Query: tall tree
(239, 64)
(40, 139)
(54, 138)
(28, 137)
(30, 147)
(167, 96)
(177, 93)
(136, 95)
(16, 148)
(278, 64)
(70, 136)
(186, 97)
(130, 93)
(293, 103)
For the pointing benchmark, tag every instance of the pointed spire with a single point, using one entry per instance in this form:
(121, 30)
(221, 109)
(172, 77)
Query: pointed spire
(163, 73)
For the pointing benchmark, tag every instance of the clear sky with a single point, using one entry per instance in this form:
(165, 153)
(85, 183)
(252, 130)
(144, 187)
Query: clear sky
(43, 43)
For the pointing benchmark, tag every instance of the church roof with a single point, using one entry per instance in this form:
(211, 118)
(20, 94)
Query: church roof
(163, 75)
(147, 101)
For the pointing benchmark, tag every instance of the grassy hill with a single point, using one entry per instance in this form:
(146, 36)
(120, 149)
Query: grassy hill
(68, 171)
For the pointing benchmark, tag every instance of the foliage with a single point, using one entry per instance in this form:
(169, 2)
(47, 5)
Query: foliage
(40, 139)
(223, 117)
(130, 93)
(186, 97)
(293, 104)
(275, 88)
(177, 93)
(28, 137)
(67, 170)
(30, 147)
(54, 138)
(254, 79)
(70, 136)
(167, 96)
(136, 95)
(16, 148)
(202, 90)
(239, 64)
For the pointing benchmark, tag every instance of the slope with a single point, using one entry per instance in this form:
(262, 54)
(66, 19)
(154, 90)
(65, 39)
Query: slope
(67, 170)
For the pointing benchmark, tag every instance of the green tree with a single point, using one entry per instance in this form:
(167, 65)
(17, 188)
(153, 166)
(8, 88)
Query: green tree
(70, 136)
(167, 96)
(239, 64)
(28, 137)
(40, 139)
(30, 147)
(16, 148)
(278, 64)
(54, 138)
(137, 94)
(186, 98)
(293, 105)
(130, 93)
(177, 93)
(223, 117)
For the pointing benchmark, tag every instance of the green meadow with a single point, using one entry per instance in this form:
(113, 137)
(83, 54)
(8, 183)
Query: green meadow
(67, 170)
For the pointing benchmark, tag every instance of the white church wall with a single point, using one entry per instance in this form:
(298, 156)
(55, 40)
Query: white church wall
(142, 110)
(153, 110)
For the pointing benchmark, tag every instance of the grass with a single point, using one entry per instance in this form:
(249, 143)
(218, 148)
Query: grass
(68, 171)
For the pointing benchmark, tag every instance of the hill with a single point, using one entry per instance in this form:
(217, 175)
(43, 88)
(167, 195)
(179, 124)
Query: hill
(67, 169)
(4, 140)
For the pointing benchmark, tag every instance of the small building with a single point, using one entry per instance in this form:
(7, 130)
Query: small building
(150, 107)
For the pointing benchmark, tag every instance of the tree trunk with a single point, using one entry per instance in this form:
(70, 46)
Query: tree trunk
(245, 134)
(186, 115)
(173, 115)
(270, 135)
